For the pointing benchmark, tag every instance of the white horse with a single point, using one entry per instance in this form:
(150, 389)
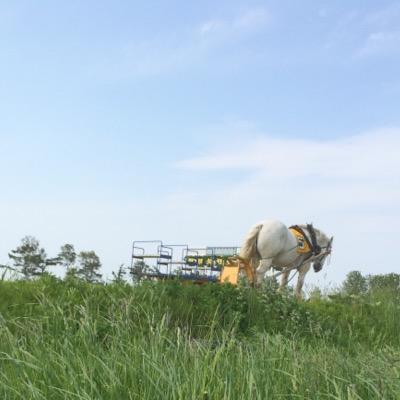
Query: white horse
(270, 244)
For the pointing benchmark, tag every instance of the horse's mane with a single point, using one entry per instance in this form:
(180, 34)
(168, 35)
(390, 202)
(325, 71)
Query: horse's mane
(321, 236)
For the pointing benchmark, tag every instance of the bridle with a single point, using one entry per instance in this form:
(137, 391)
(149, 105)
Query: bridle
(317, 252)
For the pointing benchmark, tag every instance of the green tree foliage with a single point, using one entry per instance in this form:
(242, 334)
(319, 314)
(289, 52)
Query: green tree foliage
(355, 284)
(4, 269)
(138, 270)
(29, 258)
(89, 263)
(387, 282)
(67, 256)
(119, 276)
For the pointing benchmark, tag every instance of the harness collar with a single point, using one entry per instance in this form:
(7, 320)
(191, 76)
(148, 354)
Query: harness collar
(305, 246)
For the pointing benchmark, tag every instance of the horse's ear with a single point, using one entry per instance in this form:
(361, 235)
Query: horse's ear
(330, 240)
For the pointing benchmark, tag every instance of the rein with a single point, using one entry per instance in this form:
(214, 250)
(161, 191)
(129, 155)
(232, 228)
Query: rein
(307, 260)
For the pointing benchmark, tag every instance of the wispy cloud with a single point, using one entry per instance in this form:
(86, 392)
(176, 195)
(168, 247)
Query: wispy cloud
(367, 34)
(380, 43)
(363, 156)
(384, 32)
(249, 20)
(195, 47)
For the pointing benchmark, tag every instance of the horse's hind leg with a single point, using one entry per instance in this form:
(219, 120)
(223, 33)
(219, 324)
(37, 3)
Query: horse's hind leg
(264, 265)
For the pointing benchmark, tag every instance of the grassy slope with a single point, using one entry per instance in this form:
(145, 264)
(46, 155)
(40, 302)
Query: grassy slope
(68, 340)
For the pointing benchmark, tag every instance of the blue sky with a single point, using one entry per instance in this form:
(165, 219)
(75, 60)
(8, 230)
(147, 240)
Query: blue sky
(190, 121)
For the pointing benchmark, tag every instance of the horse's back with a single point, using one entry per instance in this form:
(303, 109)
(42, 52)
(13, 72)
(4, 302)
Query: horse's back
(272, 238)
(274, 228)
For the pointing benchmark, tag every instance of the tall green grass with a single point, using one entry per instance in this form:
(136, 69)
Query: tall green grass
(71, 340)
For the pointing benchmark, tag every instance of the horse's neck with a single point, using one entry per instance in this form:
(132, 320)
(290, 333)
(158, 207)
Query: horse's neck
(322, 239)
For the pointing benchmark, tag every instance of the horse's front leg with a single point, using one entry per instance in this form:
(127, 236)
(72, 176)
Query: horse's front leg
(300, 280)
(284, 280)
(264, 266)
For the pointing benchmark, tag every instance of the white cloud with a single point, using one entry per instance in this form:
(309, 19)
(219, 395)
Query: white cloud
(252, 19)
(195, 47)
(380, 43)
(367, 34)
(211, 26)
(384, 32)
(245, 22)
(363, 156)
(350, 175)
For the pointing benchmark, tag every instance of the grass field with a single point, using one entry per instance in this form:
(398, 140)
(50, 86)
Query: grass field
(71, 340)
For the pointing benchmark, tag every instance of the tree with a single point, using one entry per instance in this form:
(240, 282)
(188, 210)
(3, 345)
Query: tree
(386, 282)
(355, 284)
(67, 256)
(5, 269)
(29, 258)
(138, 270)
(71, 274)
(119, 276)
(90, 264)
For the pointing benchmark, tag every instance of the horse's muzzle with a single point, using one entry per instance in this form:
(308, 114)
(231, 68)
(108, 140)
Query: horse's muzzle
(317, 267)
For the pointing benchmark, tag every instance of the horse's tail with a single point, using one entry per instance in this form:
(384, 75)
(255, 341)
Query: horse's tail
(249, 251)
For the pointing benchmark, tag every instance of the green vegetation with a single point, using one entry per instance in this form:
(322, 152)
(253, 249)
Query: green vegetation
(76, 340)
(30, 260)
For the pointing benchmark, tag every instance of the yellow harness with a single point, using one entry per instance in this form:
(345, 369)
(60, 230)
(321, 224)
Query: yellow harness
(302, 244)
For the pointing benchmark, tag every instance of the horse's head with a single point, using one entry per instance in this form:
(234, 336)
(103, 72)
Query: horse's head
(325, 245)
